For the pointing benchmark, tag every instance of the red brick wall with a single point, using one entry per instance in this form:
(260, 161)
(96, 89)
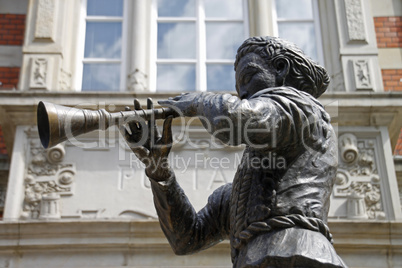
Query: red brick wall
(392, 79)
(398, 148)
(12, 27)
(389, 35)
(388, 31)
(9, 77)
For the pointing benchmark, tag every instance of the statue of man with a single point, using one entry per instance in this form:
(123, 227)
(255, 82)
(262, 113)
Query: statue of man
(274, 215)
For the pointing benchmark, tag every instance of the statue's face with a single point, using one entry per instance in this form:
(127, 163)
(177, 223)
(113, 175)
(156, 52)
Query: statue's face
(253, 74)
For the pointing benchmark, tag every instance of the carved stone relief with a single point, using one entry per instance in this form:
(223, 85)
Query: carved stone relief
(44, 26)
(46, 162)
(361, 69)
(3, 191)
(47, 179)
(135, 215)
(355, 20)
(137, 81)
(65, 80)
(357, 179)
(39, 73)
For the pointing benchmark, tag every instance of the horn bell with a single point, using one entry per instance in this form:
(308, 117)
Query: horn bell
(57, 123)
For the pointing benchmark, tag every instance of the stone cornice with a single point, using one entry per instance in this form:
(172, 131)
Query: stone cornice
(147, 234)
(92, 234)
(31, 98)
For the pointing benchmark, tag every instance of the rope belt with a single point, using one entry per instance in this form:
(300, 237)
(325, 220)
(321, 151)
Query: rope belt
(282, 222)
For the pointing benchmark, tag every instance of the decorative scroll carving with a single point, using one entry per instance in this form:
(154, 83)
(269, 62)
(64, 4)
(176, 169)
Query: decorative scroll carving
(47, 179)
(361, 69)
(56, 154)
(348, 148)
(137, 81)
(357, 179)
(65, 80)
(355, 20)
(46, 162)
(44, 27)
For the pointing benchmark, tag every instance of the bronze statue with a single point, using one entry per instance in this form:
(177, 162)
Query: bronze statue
(274, 216)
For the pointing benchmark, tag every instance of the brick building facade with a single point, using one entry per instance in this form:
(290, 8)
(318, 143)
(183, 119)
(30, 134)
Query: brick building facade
(389, 35)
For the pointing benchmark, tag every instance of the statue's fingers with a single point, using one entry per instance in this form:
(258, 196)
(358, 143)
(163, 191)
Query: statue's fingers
(171, 101)
(167, 137)
(179, 97)
(141, 152)
(150, 103)
(137, 105)
(135, 127)
(167, 103)
(153, 130)
(156, 132)
(126, 132)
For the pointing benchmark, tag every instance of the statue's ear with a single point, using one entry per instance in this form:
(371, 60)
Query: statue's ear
(282, 67)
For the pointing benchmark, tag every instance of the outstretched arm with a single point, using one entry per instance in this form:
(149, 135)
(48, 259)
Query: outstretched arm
(186, 230)
(232, 120)
(276, 117)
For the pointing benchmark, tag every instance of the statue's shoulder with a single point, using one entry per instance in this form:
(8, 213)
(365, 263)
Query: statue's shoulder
(284, 96)
(287, 92)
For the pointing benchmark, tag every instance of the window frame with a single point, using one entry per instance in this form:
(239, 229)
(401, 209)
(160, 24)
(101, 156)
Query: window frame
(315, 20)
(81, 60)
(200, 60)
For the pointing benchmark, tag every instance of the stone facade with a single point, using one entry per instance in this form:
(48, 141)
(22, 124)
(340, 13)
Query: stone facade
(88, 203)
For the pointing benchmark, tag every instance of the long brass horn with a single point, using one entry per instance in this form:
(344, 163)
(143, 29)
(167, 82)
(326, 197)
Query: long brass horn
(57, 123)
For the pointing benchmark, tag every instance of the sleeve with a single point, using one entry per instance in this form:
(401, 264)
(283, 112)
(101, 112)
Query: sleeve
(235, 121)
(186, 230)
(276, 118)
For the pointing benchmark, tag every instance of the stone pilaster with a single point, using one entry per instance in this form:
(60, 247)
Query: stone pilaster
(358, 48)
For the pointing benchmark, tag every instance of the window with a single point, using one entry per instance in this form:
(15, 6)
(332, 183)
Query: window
(298, 22)
(104, 35)
(196, 44)
(193, 43)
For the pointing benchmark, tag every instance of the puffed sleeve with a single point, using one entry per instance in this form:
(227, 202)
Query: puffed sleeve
(276, 117)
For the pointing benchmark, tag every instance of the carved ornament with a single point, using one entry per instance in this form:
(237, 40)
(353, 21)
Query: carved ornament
(357, 179)
(44, 26)
(361, 69)
(47, 179)
(137, 81)
(355, 20)
(40, 73)
(65, 80)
